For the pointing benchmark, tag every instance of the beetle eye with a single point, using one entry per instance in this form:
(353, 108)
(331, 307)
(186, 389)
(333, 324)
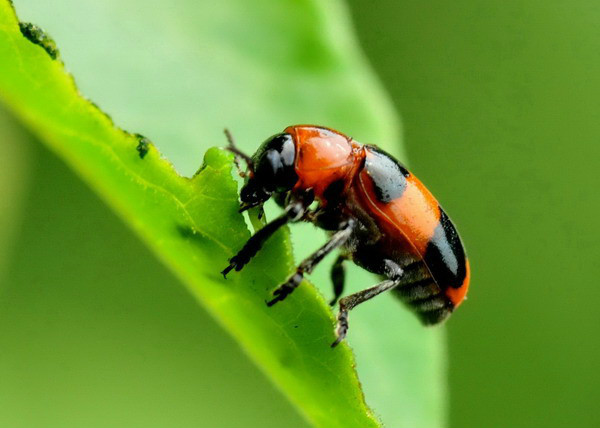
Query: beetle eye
(269, 166)
(275, 163)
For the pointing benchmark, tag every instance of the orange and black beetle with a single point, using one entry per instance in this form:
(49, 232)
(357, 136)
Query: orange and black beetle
(379, 214)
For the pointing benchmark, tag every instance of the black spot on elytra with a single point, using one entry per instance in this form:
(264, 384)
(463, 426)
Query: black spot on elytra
(388, 175)
(445, 256)
(143, 145)
(36, 35)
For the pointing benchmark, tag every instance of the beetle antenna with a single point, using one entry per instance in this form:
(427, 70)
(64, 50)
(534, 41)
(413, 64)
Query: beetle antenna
(232, 147)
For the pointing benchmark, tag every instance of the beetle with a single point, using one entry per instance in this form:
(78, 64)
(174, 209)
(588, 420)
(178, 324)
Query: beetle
(378, 214)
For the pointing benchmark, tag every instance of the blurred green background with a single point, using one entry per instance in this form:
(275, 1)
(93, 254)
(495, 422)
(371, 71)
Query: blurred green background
(94, 332)
(500, 103)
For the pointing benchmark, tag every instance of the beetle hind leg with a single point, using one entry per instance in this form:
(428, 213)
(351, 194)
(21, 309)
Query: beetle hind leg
(394, 273)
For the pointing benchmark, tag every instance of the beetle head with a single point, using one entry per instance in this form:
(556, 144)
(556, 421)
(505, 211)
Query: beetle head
(273, 171)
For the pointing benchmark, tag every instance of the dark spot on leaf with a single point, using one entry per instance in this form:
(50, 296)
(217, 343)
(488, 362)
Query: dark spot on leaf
(186, 231)
(191, 234)
(36, 35)
(143, 145)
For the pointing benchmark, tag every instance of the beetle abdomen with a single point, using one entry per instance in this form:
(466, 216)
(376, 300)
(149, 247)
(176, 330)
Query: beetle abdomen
(412, 221)
(423, 295)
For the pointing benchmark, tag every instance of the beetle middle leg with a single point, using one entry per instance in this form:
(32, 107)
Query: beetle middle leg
(337, 240)
(394, 273)
(338, 278)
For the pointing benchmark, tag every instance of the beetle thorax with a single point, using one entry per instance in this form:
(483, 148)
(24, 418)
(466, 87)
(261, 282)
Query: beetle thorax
(324, 157)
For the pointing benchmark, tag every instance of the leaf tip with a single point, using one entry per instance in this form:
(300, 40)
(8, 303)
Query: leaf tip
(217, 157)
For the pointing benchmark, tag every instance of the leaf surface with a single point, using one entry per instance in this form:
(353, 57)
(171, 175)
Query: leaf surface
(256, 83)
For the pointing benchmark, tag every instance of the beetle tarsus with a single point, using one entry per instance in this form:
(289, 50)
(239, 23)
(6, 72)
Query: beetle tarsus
(287, 287)
(342, 326)
(353, 300)
(228, 269)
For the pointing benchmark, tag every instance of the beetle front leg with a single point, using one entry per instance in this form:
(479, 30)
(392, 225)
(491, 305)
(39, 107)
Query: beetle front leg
(293, 213)
(337, 240)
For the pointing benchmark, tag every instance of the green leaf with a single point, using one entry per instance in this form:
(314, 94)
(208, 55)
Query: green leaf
(286, 70)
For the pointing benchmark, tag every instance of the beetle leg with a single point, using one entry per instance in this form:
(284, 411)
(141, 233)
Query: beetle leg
(338, 278)
(338, 239)
(293, 213)
(349, 302)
